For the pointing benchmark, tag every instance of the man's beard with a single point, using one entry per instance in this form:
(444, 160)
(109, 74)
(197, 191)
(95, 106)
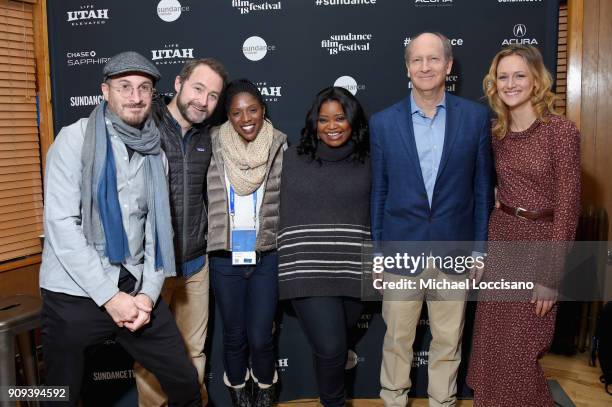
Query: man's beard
(135, 120)
(183, 109)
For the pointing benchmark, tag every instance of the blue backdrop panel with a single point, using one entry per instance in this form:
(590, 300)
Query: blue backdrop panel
(291, 49)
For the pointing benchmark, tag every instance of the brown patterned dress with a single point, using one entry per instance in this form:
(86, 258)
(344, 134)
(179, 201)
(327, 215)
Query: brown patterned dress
(537, 169)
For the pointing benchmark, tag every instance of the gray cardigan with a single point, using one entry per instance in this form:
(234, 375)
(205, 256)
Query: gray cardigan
(218, 213)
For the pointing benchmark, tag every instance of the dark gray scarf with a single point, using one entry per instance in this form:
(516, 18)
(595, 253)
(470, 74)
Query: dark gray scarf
(93, 158)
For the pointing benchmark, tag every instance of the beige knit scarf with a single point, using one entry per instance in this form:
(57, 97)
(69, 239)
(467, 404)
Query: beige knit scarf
(245, 164)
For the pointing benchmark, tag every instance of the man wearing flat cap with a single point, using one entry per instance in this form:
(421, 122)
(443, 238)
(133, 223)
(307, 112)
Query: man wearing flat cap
(108, 245)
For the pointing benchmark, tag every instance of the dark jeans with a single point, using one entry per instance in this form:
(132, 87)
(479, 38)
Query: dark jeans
(246, 297)
(70, 324)
(325, 321)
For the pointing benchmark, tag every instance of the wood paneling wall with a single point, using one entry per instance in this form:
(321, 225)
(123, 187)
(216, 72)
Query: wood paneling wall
(561, 85)
(21, 276)
(20, 175)
(588, 95)
(23, 280)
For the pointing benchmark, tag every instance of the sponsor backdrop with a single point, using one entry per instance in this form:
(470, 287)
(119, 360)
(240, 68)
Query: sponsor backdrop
(291, 50)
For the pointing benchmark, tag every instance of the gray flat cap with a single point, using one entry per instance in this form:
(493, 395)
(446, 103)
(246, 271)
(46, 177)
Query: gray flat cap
(129, 61)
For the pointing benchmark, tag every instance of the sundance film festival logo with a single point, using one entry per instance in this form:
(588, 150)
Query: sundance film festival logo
(520, 32)
(451, 83)
(349, 83)
(433, 3)
(347, 43)
(451, 80)
(80, 101)
(269, 93)
(171, 54)
(364, 321)
(84, 58)
(454, 41)
(87, 15)
(352, 360)
(420, 358)
(170, 10)
(114, 375)
(344, 2)
(245, 6)
(255, 48)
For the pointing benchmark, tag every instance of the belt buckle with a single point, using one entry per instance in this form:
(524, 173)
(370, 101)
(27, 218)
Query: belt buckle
(517, 211)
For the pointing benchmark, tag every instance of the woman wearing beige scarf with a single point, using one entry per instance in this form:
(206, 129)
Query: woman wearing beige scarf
(243, 193)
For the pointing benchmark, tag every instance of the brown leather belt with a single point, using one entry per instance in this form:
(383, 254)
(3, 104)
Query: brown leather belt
(544, 214)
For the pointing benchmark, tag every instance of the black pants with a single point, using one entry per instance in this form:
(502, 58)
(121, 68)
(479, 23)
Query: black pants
(70, 324)
(326, 320)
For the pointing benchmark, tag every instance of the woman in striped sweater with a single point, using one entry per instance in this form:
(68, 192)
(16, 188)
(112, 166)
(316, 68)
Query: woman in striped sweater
(324, 219)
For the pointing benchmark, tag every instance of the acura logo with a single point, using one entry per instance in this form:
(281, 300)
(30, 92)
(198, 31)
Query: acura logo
(519, 30)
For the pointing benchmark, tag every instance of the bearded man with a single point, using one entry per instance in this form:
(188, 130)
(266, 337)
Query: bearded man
(183, 124)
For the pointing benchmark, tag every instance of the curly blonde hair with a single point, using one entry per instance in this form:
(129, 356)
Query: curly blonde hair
(542, 98)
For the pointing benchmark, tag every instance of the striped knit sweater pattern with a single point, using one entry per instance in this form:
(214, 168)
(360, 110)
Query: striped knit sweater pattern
(324, 223)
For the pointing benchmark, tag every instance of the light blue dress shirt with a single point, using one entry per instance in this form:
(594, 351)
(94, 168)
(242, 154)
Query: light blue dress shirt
(429, 138)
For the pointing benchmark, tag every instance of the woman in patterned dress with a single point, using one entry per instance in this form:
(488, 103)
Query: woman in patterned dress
(537, 160)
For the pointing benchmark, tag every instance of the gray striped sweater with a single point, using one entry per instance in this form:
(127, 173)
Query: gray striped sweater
(324, 220)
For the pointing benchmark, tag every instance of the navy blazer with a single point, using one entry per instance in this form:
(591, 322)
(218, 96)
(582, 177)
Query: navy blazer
(463, 193)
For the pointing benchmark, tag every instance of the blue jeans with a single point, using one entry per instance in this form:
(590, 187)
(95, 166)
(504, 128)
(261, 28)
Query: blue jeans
(246, 297)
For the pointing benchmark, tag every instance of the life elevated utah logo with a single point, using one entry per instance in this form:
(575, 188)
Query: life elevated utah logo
(350, 42)
(87, 15)
(245, 6)
(282, 364)
(171, 54)
(269, 93)
(520, 36)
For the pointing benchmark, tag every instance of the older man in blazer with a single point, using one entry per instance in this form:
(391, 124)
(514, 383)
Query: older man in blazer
(431, 181)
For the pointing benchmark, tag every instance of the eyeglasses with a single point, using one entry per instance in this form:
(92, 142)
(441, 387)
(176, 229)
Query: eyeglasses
(126, 90)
